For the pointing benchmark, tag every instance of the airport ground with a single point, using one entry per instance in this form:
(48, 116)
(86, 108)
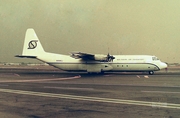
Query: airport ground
(46, 92)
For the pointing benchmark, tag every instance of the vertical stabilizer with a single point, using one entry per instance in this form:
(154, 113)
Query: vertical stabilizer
(32, 45)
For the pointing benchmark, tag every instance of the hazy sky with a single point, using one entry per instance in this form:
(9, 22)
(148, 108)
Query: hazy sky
(150, 27)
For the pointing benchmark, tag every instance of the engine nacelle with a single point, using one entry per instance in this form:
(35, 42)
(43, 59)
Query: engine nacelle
(100, 57)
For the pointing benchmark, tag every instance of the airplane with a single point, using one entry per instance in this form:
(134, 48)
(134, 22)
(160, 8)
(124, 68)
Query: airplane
(87, 62)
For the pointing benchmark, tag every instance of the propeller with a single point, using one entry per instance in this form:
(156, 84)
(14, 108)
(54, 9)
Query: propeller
(110, 58)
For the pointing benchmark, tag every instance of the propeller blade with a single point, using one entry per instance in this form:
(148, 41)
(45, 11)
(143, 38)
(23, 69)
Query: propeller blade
(110, 57)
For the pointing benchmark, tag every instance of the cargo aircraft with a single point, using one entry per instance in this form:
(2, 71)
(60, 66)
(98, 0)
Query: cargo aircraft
(87, 62)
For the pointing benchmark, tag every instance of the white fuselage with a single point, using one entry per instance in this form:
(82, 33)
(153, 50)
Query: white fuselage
(134, 63)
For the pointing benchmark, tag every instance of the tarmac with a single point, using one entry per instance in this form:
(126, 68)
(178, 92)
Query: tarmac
(46, 92)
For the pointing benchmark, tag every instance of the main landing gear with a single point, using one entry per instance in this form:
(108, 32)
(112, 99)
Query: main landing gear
(151, 72)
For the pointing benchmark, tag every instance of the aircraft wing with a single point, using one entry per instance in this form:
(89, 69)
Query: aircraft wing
(92, 57)
(83, 56)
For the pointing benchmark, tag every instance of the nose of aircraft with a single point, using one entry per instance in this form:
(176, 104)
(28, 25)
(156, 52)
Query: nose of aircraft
(163, 65)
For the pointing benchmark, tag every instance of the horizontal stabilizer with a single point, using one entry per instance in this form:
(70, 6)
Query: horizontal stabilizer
(21, 56)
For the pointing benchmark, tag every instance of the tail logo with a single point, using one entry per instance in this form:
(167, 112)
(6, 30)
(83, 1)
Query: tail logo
(32, 44)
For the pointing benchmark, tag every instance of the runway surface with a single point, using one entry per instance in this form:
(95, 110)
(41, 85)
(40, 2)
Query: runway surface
(45, 92)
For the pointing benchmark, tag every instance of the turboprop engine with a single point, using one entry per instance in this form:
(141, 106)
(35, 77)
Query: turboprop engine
(101, 57)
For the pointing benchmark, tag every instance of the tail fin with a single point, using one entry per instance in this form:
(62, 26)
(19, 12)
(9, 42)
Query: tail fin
(32, 46)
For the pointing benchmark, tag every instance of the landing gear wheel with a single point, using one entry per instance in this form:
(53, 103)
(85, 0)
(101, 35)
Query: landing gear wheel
(151, 72)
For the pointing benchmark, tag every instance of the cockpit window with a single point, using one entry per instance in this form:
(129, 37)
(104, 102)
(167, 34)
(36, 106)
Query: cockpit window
(155, 58)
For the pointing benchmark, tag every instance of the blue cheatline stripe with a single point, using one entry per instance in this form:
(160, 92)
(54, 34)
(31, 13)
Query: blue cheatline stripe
(51, 63)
